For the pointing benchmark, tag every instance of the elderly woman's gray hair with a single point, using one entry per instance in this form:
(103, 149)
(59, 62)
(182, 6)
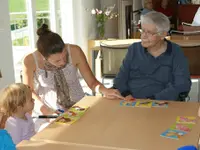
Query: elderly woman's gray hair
(161, 21)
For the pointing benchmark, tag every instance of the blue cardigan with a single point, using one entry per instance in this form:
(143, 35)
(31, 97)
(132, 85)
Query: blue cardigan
(162, 78)
(6, 142)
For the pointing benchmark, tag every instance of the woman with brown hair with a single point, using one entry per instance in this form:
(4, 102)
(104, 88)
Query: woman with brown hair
(53, 66)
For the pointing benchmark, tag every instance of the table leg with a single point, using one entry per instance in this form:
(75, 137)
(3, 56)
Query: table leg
(198, 89)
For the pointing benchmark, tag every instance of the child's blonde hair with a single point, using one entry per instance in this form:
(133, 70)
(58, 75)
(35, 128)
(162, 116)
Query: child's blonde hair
(13, 96)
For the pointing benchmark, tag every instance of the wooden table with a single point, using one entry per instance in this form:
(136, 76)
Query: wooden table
(107, 125)
(94, 46)
(45, 145)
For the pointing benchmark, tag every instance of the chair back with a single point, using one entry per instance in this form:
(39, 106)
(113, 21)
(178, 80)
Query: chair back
(193, 54)
(191, 28)
(112, 57)
(190, 44)
(185, 35)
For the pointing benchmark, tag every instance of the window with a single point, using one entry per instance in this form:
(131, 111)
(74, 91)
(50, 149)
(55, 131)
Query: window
(25, 17)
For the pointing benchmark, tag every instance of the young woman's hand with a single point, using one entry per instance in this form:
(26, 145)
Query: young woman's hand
(129, 98)
(112, 94)
(46, 110)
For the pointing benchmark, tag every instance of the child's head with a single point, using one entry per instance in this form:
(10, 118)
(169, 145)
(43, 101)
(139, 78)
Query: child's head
(17, 97)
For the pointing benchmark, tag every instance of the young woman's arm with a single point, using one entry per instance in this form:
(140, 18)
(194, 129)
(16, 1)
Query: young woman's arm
(88, 76)
(28, 70)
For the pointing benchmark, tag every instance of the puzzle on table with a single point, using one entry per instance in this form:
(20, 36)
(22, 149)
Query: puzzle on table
(173, 134)
(145, 103)
(182, 126)
(72, 115)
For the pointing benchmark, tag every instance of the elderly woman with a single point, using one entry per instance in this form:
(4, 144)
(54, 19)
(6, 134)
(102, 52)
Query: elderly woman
(154, 68)
(147, 6)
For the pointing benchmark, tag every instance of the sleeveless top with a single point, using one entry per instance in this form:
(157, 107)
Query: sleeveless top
(45, 85)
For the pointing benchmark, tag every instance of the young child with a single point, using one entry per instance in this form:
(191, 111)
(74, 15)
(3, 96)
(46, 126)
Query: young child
(6, 140)
(17, 102)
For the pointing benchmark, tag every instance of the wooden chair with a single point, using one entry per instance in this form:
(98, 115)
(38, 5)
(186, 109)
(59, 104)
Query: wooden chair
(190, 44)
(185, 35)
(112, 57)
(187, 27)
(193, 54)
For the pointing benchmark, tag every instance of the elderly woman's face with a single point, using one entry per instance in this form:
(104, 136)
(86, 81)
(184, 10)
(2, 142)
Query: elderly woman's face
(148, 4)
(150, 35)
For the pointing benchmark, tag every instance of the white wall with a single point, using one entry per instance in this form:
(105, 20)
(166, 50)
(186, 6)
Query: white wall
(88, 19)
(67, 24)
(111, 27)
(137, 4)
(84, 23)
(77, 24)
(6, 57)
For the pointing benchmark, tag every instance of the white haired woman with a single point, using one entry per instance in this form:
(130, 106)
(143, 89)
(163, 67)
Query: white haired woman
(154, 68)
(147, 6)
